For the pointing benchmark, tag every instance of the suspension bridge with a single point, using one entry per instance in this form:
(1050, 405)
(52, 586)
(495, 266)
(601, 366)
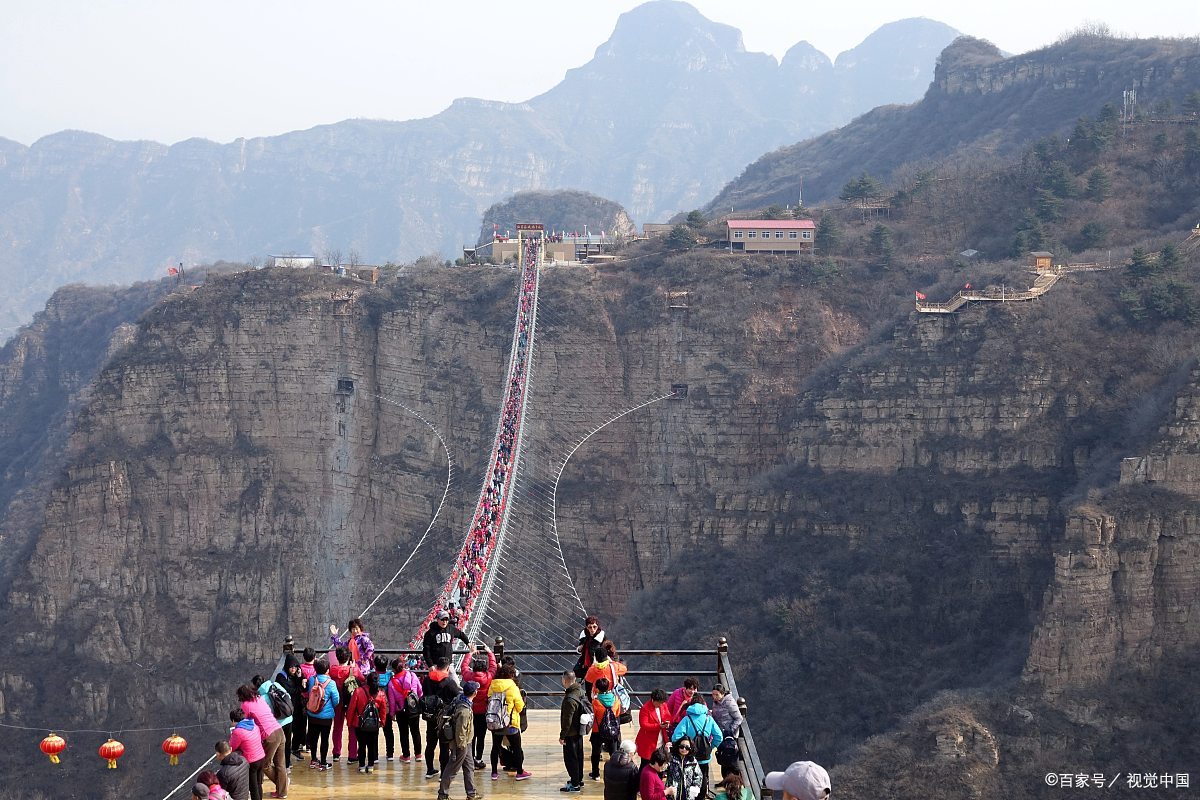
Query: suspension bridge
(509, 578)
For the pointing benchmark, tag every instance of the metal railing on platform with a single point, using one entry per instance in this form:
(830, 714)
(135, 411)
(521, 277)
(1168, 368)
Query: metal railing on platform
(719, 670)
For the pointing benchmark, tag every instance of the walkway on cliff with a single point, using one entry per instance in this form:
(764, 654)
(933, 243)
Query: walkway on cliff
(1045, 280)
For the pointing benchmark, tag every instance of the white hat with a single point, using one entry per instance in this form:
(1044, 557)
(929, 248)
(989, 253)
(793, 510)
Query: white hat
(629, 746)
(803, 780)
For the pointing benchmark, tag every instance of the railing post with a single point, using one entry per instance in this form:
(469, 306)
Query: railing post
(722, 648)
(498, 648)
(289, 644)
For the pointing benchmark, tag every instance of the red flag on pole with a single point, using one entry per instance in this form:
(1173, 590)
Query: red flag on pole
(172, 271)
(919, 296)
(967, 286)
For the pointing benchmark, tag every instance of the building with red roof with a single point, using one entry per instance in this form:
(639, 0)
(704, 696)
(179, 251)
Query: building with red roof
(779, 236)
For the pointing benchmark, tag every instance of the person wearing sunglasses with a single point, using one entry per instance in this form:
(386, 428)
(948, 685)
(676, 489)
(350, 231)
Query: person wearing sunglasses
(683, 771)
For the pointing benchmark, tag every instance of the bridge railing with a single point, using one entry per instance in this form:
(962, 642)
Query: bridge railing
(707, 666)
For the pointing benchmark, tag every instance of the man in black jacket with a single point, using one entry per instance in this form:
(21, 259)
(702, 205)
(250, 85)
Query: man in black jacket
(439, 640)
(570, 732)
(234, 772)
(438, 683)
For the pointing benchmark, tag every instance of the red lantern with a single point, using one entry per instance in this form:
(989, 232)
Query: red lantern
(174, 746)
(52, 745)
(110, 751)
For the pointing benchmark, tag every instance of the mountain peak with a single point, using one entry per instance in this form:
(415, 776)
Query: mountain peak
(666, 29)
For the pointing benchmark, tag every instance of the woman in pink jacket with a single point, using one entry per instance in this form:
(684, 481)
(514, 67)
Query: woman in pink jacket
(256, 708)
(245, 739)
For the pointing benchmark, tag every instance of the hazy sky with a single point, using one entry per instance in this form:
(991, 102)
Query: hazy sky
(173, 69)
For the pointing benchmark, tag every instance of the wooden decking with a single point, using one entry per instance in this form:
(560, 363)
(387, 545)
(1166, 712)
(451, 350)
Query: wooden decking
(393, 779)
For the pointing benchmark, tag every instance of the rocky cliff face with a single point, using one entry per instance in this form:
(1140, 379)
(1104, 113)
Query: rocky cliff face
(219, 492)
(1126, 584)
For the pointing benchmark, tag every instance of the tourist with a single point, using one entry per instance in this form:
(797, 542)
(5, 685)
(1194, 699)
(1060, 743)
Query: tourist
(479, 667)
(438, 690)
(282, 684)
(438, 642)
(271, 730)
(294, 671)
(357, 642)
(209, 779)
(365, 714)
(621, 779)
(570, 731)
(698, 726)
(683, 771)
(609, 667)
(321, 711)
(678, 702)
(604, 701)
(803, 780)
(246, 739)
(590, 640)
(653, 723)
(199, 792)
(505, 684)
(385, 680)
(406, 711)
(733, 788)
(651, 786)
(728, 717)
(462, 722)
(341, 672)
(233, 771)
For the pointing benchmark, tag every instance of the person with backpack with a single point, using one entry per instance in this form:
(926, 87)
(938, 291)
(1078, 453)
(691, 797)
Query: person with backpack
(438, 690)
(293, 672)
(606, 735)
(347, 677)
(479, 667)
(256, 708)
(504, 708)
(461, 718)
(278, 697)
(621, 776)
(728, 717)
(705, 735)
(404, 703)
(323, 700)
(385, 678)
(653, 722)
(570, 731)
(365, 714)
(683, 771)
(246, 739)
(357, 643)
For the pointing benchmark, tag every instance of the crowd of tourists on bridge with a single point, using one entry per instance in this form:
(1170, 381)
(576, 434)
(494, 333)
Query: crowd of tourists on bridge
(352, 694)
(462, 589)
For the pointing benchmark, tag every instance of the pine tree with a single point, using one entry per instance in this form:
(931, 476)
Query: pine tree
(1098, 185)
(829, 234)
(881, 248)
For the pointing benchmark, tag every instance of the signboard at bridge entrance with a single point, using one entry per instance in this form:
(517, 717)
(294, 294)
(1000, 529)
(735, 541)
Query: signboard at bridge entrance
(530, 226)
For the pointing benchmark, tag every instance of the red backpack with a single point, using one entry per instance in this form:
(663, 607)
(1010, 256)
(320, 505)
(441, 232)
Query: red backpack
(316, 695)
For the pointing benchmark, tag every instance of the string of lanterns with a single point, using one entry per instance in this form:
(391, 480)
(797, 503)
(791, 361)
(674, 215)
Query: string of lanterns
(174, 746)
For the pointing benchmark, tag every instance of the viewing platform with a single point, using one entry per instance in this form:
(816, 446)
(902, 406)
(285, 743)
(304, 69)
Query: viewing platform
(539, 677)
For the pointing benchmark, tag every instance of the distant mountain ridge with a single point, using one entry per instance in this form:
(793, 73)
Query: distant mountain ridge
(981, 103)
(668, 110)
